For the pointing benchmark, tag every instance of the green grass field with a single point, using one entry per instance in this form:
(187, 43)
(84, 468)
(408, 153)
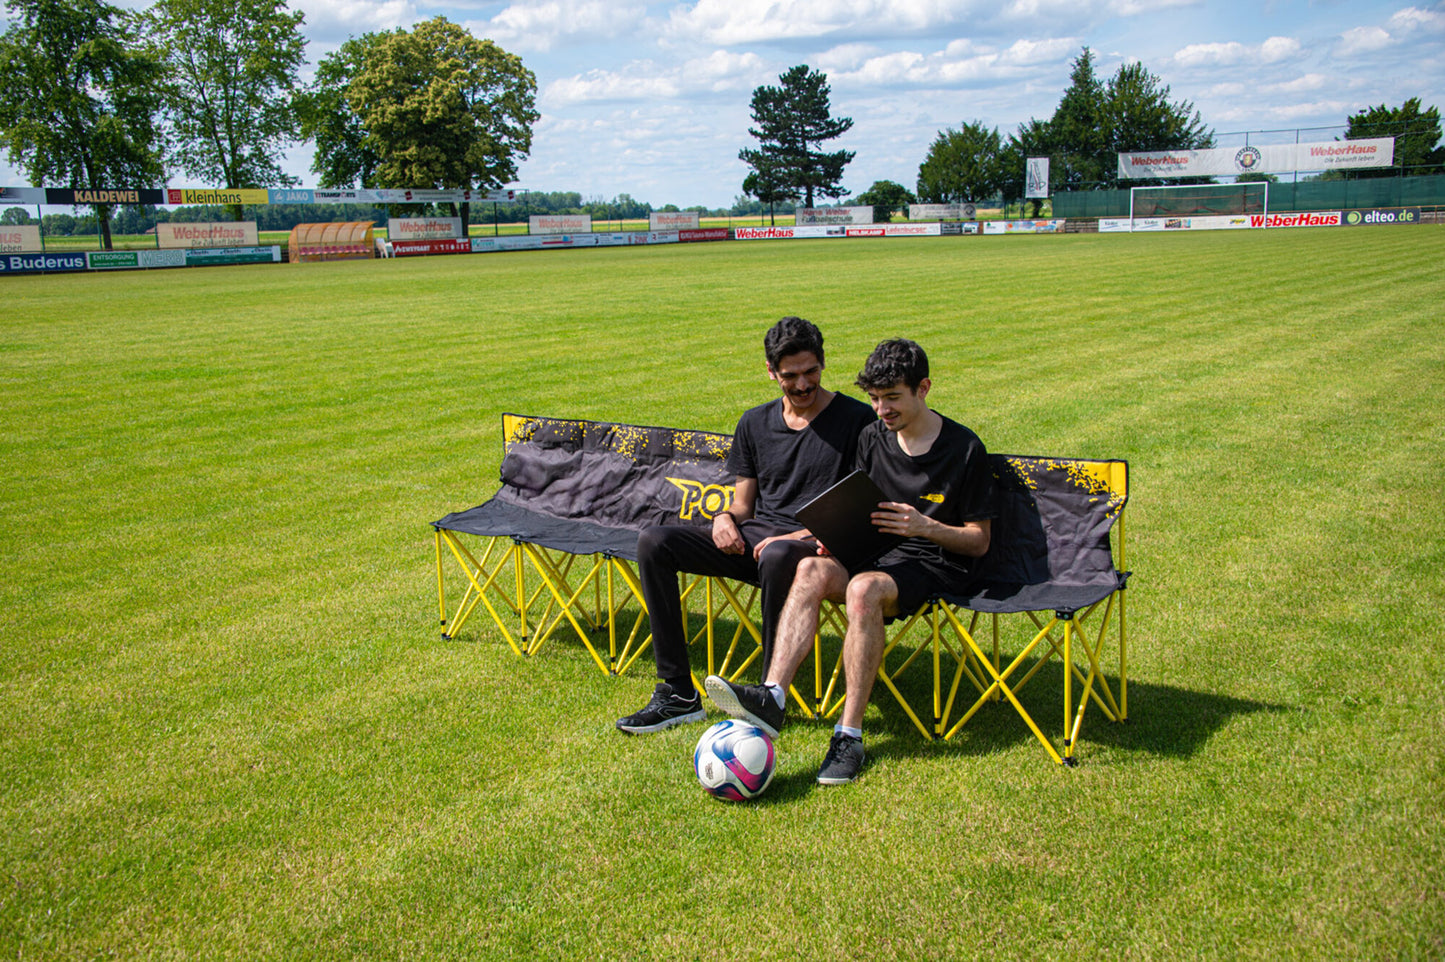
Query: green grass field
(232, 731)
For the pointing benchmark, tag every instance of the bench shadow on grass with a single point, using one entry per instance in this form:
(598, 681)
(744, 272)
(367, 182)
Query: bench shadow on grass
(1164, 720)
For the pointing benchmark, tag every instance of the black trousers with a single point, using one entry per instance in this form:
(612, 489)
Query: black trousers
(666, 550)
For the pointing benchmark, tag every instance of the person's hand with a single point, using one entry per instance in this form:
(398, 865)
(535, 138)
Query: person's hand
(758, 548)
(726, 536)
(901, 519)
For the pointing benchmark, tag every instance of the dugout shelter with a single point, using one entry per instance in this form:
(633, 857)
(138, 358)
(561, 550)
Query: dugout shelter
(348, 240)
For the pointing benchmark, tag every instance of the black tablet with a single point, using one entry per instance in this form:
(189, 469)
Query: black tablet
(839, 519)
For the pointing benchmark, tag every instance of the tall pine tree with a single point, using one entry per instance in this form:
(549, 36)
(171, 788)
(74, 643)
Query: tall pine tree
(792, 121)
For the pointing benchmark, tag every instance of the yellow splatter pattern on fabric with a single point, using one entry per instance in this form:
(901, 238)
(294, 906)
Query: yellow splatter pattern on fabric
(1092, 477)
(630, 441)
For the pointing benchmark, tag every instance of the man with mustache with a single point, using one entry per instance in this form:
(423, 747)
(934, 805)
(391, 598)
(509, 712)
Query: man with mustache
(784, 453)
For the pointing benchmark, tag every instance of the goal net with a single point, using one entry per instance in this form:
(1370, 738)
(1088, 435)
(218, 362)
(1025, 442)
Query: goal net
(1198, 200)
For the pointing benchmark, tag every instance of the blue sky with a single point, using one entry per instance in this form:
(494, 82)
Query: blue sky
(651, 99)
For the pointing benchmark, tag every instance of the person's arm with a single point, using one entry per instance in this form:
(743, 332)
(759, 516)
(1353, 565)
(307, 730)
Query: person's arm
(802, 534)
(969, 539)
(725, 531)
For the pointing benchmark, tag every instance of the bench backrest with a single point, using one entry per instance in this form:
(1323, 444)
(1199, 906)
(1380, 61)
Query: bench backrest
(1053, 526)
(616, 475)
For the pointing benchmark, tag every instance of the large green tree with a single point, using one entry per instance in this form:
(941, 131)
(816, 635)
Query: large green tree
(79, 98)
(792, 121)
(443, 109)
(886, 197)
(1416, 133)
(344, 157)
(1078, 132)
(1096, 120)
(963, 165)
(1140, 116)
(233, 77)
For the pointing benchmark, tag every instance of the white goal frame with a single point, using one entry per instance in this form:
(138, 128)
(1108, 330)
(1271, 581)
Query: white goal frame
(1247, 185)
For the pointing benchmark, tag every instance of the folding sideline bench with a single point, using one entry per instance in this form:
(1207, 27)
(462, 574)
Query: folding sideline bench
(1049, 559)
(574, 496)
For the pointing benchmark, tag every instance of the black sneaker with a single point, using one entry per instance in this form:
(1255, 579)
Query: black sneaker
(843, 762)
(751, 703)
(663, 711)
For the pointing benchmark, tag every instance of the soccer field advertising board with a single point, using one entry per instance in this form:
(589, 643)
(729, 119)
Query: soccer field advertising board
(208, 196)
(20, 238)
(194, 236)
(41, 263)
(1267, 159)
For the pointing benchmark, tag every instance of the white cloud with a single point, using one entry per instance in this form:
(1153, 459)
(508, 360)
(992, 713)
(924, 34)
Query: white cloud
(333, 21)
(1364, 40)
(1309, 82)
(645, 80)
(960, 63)
(1415, 20)
(732, 22)
(1276, 49)
(1138, 8)
(845, 57)
(1272, 50)
(1029, 53)
(541, 26)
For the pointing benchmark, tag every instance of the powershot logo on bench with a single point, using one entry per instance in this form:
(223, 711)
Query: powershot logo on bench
(706, 500)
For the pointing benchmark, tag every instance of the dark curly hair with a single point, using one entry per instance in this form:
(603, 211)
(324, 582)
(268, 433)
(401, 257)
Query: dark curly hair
(791, 335)
(897, 361)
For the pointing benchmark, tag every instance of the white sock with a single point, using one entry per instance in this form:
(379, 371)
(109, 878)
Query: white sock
(779, 695)
(850, 732)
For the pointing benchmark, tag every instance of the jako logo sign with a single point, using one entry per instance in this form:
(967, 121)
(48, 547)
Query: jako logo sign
(704, 499)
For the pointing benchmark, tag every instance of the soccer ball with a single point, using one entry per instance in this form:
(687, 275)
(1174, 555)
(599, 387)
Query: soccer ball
(734, 760)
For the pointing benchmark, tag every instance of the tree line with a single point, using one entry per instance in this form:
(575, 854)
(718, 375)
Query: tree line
(92, 95)
(1094, 122)
(96, 96)
(141, 219)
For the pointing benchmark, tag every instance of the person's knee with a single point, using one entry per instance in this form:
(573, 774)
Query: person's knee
(868, 595)
(815, 570)
(780, 559)
(653, 544)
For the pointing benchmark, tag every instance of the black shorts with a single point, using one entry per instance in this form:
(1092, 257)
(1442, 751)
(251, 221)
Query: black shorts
(918, 580)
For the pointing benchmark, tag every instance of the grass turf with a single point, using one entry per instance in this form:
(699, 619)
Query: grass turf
(232, 731)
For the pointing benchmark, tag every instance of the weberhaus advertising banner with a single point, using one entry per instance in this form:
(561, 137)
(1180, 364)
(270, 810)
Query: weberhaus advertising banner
(1269, 159)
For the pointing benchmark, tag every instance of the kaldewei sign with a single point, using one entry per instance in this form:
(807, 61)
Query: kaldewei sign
(1382, 215)
(1265, 159)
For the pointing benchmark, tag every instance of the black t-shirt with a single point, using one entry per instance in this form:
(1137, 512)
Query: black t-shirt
(793, 467)
(951, 482)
